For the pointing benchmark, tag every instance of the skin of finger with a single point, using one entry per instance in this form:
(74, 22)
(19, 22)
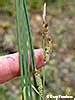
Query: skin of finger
(9, 65)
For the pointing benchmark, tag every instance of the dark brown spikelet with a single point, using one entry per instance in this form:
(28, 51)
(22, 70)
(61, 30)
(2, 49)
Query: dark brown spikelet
(46, 42)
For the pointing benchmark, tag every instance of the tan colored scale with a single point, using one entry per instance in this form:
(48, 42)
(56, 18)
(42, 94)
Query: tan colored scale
(46, 38)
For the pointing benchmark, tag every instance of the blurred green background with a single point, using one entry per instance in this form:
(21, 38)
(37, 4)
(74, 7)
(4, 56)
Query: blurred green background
(60, 72)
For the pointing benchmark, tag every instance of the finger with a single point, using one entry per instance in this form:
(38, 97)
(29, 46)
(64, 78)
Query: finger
(9, 65)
